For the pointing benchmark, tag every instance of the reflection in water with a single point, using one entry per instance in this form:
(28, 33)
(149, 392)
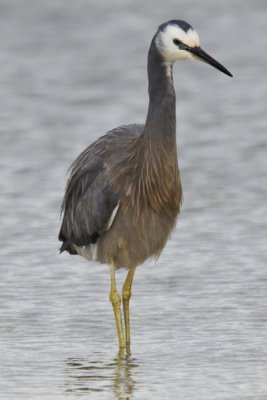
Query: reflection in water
(97, 376)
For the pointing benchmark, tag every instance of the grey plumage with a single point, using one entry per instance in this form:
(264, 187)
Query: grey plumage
(124, 192)
(117, 164)
(90, 198)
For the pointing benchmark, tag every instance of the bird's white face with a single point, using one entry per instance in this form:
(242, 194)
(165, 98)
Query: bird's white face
(170, 43)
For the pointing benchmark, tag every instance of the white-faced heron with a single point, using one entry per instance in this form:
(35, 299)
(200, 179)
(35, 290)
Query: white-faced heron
(124, 192)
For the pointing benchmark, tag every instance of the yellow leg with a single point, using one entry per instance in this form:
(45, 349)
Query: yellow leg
(116, 303)
(126, 295)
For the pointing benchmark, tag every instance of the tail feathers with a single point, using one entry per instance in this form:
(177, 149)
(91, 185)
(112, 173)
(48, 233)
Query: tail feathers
(67, 246)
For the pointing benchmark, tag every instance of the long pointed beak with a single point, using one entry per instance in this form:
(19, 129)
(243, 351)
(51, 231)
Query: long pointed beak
(203, 56)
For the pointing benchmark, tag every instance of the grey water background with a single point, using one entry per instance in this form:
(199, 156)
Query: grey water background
(69, 71)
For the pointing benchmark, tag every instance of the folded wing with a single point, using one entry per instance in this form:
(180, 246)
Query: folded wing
(89, 205)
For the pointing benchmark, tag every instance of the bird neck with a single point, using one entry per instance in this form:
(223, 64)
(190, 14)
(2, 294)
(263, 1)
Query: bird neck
(152, 158)
(150, 167)
(161, 119)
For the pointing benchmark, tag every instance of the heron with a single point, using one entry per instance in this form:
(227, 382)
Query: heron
(124, 191)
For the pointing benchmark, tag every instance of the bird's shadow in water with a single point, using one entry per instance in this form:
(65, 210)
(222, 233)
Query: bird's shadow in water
(117, 376)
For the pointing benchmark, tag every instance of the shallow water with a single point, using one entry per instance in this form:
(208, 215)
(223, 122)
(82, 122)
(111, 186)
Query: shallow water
(69, 72)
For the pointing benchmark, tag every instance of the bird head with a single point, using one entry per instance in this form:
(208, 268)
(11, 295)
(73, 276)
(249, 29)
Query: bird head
(177, 40)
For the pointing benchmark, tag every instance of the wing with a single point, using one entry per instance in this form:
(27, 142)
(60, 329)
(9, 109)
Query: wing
(88, 205)
(90, 202)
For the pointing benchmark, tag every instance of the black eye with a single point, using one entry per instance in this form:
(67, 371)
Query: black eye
(177, 42)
